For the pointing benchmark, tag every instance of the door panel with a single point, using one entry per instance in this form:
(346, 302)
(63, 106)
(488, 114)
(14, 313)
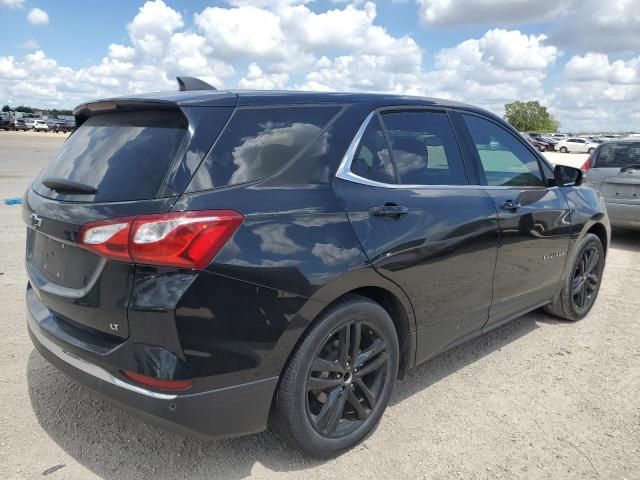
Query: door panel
(534, 240)
(437, 242)
(535, 222)
(442, 252)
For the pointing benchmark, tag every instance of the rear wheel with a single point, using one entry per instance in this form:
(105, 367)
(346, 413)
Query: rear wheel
(339, 380)
(541, 148)
(591, 150)
(564, 150)
(582, 284)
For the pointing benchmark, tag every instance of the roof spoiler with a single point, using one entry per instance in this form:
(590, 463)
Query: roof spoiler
(192, 83)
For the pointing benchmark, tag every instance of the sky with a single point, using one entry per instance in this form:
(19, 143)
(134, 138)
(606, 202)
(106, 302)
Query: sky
(580, 58)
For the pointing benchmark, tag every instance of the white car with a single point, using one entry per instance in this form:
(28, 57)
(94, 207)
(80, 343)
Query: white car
(579, 145)
(40, 126)
(29, 122)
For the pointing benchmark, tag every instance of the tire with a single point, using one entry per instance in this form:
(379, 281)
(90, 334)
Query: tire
(541, 148)
(573, 306)
(564, 150)
(591, 150)
(303, 415)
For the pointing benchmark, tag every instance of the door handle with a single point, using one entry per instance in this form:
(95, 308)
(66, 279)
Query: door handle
(510, 205)
(391, 211)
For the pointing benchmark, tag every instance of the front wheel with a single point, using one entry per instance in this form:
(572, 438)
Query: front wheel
(591, 150)
(564, 150)
(339, 381)
(582, 283)
(541, 148)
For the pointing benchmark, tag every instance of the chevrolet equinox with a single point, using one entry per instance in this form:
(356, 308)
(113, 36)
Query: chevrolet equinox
(217, 261)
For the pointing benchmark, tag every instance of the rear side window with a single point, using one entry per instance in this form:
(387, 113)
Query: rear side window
(618, 155)
(372, 160)
(424, 148)
(505, 159)
(259, 141)
(125, 156)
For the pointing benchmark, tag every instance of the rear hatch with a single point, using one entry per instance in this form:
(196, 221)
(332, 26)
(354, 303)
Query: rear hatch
(623, 187)
(116, 164)
(617, 170)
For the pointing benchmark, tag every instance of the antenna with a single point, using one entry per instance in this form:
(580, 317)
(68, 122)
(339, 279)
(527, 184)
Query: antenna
(192, 83)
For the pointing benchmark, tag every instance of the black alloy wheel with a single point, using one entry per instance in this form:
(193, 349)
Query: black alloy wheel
(586, 279)
(582, 282)
(339, 380)
(346, 379)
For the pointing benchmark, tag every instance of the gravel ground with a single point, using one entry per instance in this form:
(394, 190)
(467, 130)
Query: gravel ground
(536, 398)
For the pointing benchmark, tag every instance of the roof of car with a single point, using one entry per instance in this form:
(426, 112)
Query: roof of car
(270, 97)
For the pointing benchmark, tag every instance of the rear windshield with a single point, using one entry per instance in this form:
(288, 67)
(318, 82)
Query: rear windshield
(125, 156)
(618, 155)
(259, 141)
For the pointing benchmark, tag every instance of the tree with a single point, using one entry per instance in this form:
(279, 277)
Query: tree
(530, 117)
(6, 108)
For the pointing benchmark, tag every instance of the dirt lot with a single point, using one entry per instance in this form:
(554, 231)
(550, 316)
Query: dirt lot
(534, 399)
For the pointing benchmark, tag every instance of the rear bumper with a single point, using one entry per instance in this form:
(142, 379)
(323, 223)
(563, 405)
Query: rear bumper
(226, 412)
(624, 215)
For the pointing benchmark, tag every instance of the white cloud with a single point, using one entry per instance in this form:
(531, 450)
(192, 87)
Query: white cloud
(153, 26)
(37, 16)
(496, 12)
(601, 26)
(257, 79)
(12, 3)
(595, 25)
(598, 94)
(121, 52)
(244, 30)
(30, 44)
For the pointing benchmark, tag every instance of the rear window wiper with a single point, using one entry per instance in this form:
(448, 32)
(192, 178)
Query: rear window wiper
(62, 185)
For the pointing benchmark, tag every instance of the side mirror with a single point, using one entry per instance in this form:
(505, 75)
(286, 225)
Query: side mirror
(566, 176)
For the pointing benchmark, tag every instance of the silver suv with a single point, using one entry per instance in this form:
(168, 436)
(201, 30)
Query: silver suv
(614, 170)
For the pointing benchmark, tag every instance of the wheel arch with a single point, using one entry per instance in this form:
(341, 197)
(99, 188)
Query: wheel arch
(599, 230)
(376, 288)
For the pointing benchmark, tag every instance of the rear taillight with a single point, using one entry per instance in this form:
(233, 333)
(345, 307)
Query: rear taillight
(586, 165)
(158, 383)
(176, 239)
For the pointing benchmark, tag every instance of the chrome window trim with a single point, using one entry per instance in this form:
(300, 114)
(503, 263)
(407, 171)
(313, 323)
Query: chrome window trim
(344, 169)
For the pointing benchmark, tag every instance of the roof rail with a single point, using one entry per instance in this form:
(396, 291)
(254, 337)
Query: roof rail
(192, 83)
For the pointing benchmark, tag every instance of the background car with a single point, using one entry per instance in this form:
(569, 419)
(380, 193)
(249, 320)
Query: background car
(19, 124)
(29, 122)
(5, 123)
(62, 126)
(576, 145)
(40, 126)
(550, 141)
(539, 145)
(614, 170)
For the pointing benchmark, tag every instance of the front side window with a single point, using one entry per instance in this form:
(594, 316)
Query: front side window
(372, 160)
(424, 148)
(506, 161)
(259, 141)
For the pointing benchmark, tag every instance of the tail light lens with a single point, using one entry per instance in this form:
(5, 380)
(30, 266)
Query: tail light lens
(587, 164)
(177, 239)
(158, 383)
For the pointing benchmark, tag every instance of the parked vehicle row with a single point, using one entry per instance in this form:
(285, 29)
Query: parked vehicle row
(37, 125)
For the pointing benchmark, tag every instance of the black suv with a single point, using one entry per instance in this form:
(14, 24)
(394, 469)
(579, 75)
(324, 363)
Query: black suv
(215, 261)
